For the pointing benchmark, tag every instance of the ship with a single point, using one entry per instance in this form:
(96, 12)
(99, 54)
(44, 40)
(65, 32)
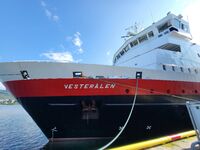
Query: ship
(142, 95)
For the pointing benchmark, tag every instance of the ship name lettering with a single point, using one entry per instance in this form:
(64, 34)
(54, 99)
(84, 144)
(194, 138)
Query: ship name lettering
(81, 85)
(86, 86)
(107, 86)
(101, 87)
(112, 86)
(96, 86)
(75, 86)
(89, 86)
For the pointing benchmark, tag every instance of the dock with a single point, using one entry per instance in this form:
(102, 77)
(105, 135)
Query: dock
(183, 144)
(180, 141)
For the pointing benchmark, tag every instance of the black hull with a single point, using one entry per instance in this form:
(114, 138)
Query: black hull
(153, 116)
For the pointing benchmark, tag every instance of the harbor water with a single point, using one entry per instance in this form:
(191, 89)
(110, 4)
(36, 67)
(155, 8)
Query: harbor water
(18, 131)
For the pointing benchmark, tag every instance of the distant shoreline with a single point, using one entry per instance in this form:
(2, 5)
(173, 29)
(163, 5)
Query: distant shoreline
(9, 102)
(6, 98)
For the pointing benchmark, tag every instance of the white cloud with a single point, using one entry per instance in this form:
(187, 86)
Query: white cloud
(49, 13)
(59, 56)
(43, 4)
(78, 42)
(55, 18)
(192, 12)
(2, 87)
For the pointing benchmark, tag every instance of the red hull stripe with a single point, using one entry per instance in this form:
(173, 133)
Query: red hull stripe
(91, 87)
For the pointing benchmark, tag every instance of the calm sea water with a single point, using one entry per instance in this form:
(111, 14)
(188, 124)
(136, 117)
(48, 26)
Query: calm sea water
(18, 131)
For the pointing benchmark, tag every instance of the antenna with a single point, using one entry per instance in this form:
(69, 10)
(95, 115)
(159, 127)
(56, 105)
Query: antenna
(189, 26)
(151, 16)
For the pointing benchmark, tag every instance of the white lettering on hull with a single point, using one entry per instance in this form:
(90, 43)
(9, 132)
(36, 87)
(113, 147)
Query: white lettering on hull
(89, 86)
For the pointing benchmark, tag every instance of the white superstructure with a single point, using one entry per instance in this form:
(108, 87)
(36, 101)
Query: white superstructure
(165, 45)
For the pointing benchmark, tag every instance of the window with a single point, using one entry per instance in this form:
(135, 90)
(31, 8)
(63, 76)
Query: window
(100, 77)
(164, 26)
(166, 32)
(115, 60)
(195, 70)
(181, 69)
(164, 67)
(173, 29)
(176, 23)
(126, 48)
(150, 34)
(189, 70)
(184, 27)
(122, 53)
(173, 68)
(142, 38)
(198, 54)
(171, 47)
(118, 56)
(135, 42)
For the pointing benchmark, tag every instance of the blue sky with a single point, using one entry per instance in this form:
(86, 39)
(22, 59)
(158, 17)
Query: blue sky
(83, 31)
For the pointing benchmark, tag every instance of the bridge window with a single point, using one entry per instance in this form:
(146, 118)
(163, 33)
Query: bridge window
(142, 38)
(126, 48)
(164, 26)
(135, 42)
(176, 23)
(184, 27)
(118, 56)
(115, 60)
(171, 47)
(150, 34)
(122, 52)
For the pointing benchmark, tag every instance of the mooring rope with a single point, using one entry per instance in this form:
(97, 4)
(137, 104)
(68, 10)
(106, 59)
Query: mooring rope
(125, 124)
